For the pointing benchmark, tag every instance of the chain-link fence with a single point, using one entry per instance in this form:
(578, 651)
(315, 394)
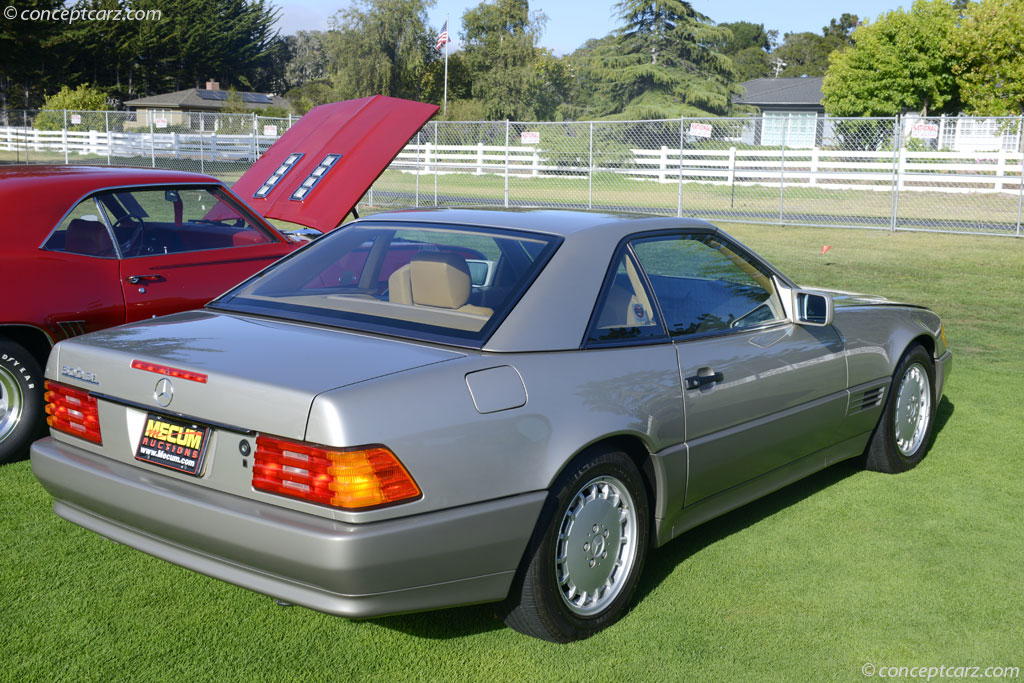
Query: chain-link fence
(950, 174)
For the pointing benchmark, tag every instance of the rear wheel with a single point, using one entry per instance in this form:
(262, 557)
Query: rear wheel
(588, 551)
(904, 431)
(21, 399)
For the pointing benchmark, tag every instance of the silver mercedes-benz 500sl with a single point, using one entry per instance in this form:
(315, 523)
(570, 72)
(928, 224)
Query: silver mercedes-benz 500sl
(434, 408)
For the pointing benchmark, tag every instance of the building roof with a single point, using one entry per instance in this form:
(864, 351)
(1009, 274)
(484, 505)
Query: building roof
(208, 100)
(780, 92)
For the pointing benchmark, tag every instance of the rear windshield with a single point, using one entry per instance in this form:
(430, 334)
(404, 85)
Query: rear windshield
(445, 283)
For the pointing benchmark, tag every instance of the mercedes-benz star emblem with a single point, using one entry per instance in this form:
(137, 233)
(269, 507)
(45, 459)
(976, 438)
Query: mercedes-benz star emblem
(164, 392)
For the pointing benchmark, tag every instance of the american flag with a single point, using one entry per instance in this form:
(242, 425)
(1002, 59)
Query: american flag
(443, 37)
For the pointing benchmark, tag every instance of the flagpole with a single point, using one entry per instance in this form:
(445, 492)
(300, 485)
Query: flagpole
(445, 111)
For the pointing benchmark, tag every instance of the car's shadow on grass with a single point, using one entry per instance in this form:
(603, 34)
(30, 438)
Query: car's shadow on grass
(464, 621)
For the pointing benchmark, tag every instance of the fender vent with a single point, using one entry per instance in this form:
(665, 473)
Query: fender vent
(72, 328)
(865, 400)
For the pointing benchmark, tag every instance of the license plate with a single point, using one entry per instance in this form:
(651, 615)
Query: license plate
(173, 443)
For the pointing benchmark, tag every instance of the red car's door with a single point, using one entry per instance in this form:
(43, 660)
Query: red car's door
(182, 246)
(167, 283)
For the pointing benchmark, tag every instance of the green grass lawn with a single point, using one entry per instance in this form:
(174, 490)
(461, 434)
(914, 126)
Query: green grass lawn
(811, 583)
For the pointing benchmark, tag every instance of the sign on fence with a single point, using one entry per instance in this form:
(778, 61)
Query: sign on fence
(531, 137)
(270, 131)
(924, 131)
(76, 119)
(160, 123)
(700, 130)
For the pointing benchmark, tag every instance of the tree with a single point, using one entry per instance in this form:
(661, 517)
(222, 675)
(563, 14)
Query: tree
(308, 59)
(380, 47)
(901, 62)
(82, 98)
(505, 64)
(748, 46)
(26, 62)
(661, 63)
(807, 54)
(989, 57)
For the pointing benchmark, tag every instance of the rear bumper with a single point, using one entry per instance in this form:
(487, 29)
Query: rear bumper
(441, 559)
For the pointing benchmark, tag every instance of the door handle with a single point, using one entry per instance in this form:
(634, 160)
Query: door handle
(698, 381)
(136, 279)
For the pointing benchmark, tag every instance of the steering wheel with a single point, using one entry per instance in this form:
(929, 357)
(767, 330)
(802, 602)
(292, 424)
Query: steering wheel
(134, 227)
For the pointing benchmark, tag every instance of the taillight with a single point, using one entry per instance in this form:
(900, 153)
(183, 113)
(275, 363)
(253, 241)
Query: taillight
(72, 411)
(345, 478)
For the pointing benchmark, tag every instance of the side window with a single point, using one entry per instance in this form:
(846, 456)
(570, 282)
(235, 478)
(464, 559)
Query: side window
(703, 285)
(174, 220)
(82, 232)
(625, 312)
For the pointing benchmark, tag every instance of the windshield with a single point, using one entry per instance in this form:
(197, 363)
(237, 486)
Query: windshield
(446, 283)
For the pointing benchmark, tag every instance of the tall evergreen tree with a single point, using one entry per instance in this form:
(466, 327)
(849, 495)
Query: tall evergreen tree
(662, 64)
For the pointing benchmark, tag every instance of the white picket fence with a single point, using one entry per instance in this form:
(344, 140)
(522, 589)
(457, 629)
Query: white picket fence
(173, 145)
(931, 171)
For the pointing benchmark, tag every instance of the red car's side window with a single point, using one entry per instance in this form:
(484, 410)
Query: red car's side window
(82, 232)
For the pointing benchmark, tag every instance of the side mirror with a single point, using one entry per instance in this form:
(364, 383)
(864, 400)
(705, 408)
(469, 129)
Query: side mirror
(172, 196)
(812, 308)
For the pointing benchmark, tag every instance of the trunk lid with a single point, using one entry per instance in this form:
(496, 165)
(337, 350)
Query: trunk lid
(262, 375)
(343, 147)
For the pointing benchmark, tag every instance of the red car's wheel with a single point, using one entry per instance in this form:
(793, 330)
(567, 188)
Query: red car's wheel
(21, 399)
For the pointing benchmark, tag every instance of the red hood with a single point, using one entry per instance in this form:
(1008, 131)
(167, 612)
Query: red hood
(360, 136)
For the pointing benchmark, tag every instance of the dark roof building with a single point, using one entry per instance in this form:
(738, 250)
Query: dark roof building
(209, 99)
(790, 109)
(783, 94)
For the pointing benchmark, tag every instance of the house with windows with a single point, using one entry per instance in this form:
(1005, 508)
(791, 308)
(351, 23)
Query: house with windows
(185, 107)
(790, 109)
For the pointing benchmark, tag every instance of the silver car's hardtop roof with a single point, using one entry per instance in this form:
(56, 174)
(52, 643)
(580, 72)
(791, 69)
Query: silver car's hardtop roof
(565, 223)
(553, 314)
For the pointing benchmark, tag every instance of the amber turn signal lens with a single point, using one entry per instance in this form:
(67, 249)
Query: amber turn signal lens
(353, 479)
(72, 411)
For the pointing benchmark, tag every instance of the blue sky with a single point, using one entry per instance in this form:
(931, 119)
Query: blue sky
(572, 22)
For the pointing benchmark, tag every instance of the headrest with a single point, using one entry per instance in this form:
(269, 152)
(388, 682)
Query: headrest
(88, 237)
(440, 279)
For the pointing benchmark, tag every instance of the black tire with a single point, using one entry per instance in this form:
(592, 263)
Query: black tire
(605, 491)
(21, 400)
(904, 431)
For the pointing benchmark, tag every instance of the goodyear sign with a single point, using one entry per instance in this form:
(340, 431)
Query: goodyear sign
(172, 443)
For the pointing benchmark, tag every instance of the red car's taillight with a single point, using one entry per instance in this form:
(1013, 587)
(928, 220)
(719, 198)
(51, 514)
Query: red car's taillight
(345, 478)
(72, 411)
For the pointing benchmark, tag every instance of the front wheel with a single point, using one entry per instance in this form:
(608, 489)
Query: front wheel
(904, 431)
(21, 399)
(588, 551)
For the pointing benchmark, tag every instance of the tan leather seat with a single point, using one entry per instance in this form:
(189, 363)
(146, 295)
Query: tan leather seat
(436, 279)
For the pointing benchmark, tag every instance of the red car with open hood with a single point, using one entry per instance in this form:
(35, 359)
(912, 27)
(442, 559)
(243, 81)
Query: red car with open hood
(89, 247)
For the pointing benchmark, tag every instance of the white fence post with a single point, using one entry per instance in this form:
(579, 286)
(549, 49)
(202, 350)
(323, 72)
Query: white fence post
(732, 177)
(663, 164)
(152, 142)
(814, 165)
(106, 126)
(590, 172)
(782, 166)
(507, 127)
(65, 137)
(416, 171)
(1000, 169)
(1020, 192)
(679, 192)
(435, 162)
(480, 158)
(897, 171)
